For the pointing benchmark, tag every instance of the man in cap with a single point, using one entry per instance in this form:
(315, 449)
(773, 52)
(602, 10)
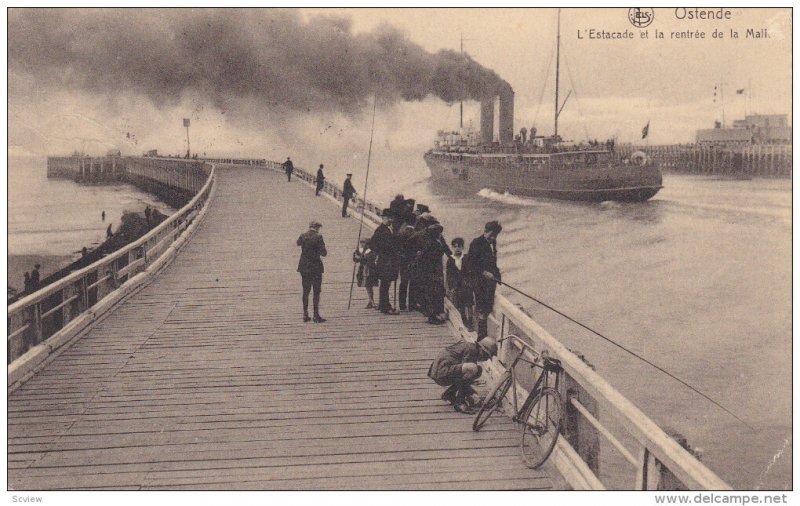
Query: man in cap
(384, 244)
(288, 166)
(320, 179)
(348, 192)
(310, 267)
(456, 367)
(483, 271)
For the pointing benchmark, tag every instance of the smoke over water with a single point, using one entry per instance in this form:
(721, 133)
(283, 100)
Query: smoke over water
(273, 60)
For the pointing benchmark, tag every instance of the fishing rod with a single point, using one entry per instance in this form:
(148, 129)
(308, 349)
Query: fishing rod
(364, 198)
(551, 308)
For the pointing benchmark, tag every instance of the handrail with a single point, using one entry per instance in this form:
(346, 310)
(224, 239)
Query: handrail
(30, 319)
(655, 442)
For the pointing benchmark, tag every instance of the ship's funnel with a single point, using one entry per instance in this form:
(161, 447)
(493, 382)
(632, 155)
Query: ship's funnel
(487, 120)
(506, 116)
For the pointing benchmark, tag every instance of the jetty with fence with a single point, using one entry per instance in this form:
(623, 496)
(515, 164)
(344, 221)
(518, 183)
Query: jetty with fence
(181, 362)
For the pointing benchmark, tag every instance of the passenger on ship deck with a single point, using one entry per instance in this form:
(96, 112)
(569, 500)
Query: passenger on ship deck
(484, 273)
(311, 268)
(456, 367)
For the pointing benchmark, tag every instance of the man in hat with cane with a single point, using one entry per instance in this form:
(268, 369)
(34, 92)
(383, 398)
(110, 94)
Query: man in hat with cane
(310, 267)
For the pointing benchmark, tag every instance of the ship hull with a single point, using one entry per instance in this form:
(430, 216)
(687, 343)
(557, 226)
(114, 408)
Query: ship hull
(573, 181)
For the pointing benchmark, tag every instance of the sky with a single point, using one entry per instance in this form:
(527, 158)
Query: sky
(270, 82)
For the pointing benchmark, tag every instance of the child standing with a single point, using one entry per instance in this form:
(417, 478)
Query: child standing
(367, 275)
(457, 288)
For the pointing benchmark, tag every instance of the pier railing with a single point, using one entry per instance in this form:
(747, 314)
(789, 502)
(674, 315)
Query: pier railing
(658, 461)
(44, 320)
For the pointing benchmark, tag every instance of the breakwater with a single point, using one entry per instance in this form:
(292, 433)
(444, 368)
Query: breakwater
(752, 160)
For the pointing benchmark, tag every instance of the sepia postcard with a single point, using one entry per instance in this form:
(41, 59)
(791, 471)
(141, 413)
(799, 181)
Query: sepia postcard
(400, 249)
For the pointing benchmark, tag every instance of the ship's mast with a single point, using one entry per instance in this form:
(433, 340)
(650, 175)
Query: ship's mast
(558, 49)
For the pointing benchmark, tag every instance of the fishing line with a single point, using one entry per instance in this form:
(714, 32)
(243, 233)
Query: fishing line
(629, 351)
(364, 198)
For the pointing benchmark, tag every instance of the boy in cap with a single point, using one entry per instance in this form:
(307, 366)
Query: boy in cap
(310, 267)
(456, 367)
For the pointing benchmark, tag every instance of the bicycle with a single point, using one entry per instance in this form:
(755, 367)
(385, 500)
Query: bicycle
(540, 415)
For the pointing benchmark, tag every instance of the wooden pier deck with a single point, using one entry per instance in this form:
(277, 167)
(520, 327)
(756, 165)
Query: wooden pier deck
(208, 378)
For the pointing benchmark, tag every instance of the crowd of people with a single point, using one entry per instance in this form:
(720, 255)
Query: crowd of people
(407, 251)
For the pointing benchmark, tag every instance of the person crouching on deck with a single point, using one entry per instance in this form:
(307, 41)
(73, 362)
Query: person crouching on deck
(456, 367)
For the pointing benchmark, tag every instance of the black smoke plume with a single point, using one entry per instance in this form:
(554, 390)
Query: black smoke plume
(273, 58)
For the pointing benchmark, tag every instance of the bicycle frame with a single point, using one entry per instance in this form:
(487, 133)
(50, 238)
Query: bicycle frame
(542, 380)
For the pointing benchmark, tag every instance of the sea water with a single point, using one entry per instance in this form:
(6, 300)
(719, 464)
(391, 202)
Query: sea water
(58, 217)
(697, 280)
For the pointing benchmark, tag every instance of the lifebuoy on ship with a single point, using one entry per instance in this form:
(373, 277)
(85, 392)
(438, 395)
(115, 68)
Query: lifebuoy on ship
(639, 158)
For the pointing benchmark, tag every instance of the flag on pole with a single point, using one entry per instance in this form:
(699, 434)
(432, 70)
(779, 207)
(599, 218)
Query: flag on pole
(646, 130)
(186, 122)
(740, 91)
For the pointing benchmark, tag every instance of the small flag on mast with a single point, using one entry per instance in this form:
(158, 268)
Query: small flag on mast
(646, 130)
(740, 91)
(186, 122)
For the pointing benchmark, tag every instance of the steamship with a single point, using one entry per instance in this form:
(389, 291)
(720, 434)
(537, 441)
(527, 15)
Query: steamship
(539, 166)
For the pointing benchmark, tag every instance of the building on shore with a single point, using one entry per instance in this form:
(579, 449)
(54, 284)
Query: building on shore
(757, 129)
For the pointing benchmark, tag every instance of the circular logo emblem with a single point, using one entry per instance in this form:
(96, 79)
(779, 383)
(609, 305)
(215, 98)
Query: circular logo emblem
(641, 17)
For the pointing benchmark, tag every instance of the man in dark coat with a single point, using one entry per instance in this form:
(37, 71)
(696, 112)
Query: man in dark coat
(432, 273)
(407, 253)
(288, 166)
(320, 179)
(456, 367)
(35, 276)
(397, 206)
(310, 267)
(384, 243)
(484, 273)
(348, 192)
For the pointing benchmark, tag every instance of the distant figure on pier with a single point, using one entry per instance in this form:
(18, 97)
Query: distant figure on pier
(109, 233)
(147, 213)
(84, 252)
(103, 216)
(320, 179)
(288, 166)
(311, 268)
(484, 274)
(348, 192)
(456, 367)
(35, 277)
(27, 282)
(398, 205)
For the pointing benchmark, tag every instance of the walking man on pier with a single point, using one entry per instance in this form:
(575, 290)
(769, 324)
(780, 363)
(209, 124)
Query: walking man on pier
(320, 179)
(288, 166)
(348, 192)
(483, 270)
(310, 267)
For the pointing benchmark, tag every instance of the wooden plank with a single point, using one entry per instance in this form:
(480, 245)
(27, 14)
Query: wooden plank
(208, 379)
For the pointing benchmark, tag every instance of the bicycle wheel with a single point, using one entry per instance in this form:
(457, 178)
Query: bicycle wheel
(540, 427)
(492, 401)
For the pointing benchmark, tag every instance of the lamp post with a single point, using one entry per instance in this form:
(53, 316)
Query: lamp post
(186, 124)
